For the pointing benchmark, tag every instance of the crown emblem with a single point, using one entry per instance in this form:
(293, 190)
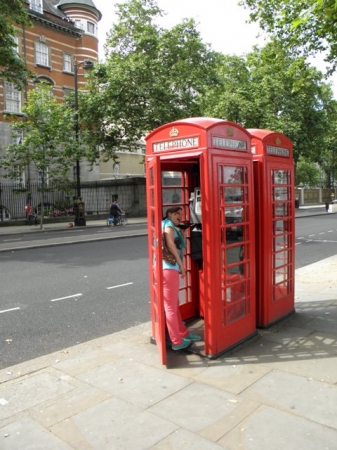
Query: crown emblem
(174, 132)
(278, 141)
(230, 131)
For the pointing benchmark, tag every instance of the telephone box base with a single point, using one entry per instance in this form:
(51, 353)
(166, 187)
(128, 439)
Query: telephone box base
(277, 321)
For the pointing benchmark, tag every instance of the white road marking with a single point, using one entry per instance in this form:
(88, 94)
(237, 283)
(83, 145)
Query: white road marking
(119, 285)
(330, 231)
(11, 240)
(64, 298)
(311, 235)
(8, 310)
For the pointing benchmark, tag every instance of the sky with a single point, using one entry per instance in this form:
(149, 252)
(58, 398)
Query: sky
(222, 24)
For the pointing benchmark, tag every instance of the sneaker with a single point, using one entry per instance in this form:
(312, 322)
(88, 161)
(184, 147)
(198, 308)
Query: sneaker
(185, 343)
(193, 337)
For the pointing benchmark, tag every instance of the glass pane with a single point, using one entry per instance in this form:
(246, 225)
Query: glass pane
(151, 177)
(281, 177)
(172, 196)
(279, 226)
(280, 209)
(233, 194)
(281, 193)
(171, 178)
(280, 241)
(280, 258)
(233, 175)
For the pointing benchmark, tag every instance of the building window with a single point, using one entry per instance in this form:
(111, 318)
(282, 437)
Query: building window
(12, 98)
(18, 178)
(17, 136)
(79, 24)
(37, 5)
(41, 54)
(68, 62)
(91, 28)
(43, 177)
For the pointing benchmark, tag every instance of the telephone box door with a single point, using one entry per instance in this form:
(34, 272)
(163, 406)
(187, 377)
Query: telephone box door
(275, 225)
(154, 203)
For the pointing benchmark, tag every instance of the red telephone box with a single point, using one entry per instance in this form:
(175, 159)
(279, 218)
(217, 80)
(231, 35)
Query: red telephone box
(275, 225)
(205, 165)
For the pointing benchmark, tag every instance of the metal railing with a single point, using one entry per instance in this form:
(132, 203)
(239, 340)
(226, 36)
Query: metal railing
(58, 200)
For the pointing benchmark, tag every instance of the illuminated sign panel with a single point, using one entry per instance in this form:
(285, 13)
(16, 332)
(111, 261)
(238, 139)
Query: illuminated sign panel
(176, 144)
(278, 151)
(232, 144)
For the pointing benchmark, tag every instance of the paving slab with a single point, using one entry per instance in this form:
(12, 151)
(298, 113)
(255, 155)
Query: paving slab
(114, 424)
(272, 429)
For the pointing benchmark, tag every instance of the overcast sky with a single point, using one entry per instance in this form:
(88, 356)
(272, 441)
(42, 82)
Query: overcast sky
(222, 24)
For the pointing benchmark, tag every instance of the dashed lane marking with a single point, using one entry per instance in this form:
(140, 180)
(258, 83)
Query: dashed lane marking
(65, 298)
(119, 285)
(8, 310)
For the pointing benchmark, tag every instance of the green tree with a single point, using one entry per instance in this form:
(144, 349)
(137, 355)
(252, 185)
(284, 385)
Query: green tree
(307, 173)
(272, 89)
(12, 66)
(48, 144)
(305, 26)
(152, 76)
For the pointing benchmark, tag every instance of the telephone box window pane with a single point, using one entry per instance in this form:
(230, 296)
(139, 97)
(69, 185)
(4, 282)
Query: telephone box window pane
(280, 258)
(281, 176)
(171, 179)
(151, 177)
(280, 275)
(280, 291)
(152, 197)
(233, 194)
(280, 209)
(172, 196)
(280, 242)
(234, 175)
(279, 226)
(281, 193)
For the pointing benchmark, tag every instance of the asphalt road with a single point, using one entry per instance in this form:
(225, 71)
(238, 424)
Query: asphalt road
(56, 297)
(316, 239)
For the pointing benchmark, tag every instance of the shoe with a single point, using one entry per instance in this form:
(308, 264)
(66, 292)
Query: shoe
(193, 337)
(185, 343)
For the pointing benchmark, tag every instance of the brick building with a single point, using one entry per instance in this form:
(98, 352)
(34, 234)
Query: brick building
(63, 32)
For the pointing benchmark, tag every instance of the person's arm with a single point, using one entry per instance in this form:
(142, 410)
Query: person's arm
(169, 236)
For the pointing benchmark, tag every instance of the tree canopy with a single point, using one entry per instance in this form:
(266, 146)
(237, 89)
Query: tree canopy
(12, 66)
(151, 76)
(307, 27)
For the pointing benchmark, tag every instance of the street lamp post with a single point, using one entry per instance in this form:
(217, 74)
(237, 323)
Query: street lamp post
(79, 218)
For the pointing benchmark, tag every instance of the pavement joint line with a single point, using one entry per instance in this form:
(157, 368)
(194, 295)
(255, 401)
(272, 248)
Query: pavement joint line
(54, 244)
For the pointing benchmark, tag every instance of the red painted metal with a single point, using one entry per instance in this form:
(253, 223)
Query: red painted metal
(275, 225)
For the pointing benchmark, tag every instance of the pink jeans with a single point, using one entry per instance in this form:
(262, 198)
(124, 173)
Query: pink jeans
(175, 326)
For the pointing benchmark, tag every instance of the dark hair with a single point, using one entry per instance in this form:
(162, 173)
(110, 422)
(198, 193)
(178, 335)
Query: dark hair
(172, 209)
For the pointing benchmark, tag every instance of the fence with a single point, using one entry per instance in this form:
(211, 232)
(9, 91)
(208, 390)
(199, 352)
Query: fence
(59, 200)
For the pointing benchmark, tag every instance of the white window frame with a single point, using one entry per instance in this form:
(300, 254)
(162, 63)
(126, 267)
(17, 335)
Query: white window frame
(41, 54)
(36, 5)
(68, 62)
(12, 98)
(79, 24)
(92, 26)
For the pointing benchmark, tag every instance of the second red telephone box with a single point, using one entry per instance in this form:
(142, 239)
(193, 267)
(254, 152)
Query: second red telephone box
(205, 166)
(275, 225)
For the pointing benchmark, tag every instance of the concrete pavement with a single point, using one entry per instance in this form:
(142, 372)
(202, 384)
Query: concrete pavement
(278, 392)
